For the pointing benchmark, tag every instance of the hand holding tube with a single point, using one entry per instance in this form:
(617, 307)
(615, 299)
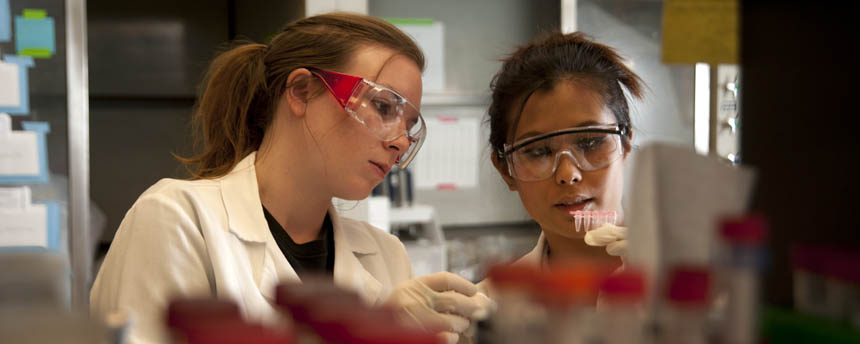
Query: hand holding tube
(611, 236)
(441, 302)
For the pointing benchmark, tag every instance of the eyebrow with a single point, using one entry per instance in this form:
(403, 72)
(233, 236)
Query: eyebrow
(379, 72)
(395, 91)
(387, 85)
(536, 133)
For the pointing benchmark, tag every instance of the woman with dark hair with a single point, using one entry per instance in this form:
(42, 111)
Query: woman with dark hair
(560, 132)
(324, 110)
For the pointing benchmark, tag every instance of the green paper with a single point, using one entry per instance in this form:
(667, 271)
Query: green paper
(37, 53)
(410, 21)
(32, 13)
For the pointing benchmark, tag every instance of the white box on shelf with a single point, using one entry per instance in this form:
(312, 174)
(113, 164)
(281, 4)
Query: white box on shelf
(429, 253)
(430, 37)
(373, 210)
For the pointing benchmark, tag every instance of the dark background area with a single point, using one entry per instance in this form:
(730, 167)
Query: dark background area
(146, 60)
(799, 107)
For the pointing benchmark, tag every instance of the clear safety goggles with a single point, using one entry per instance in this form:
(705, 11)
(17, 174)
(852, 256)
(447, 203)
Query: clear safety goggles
(383, 111)
(591, 148)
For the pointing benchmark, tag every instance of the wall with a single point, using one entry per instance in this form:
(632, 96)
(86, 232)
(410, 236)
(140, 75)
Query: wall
(146, 61)
(477, 34)
(633, 27)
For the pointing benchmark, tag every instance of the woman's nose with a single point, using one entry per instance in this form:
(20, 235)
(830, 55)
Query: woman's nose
(566, 172)
(400, 143)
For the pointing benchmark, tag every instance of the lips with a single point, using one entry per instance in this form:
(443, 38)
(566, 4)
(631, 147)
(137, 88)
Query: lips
(569, 204)
(382, 168)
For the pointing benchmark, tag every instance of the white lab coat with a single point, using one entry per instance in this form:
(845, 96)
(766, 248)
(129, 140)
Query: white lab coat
(536, 257)
(209, 237)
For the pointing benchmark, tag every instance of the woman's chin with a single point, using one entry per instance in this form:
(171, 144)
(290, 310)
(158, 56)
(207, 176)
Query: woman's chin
(353, 196)
(356, 192)
(567, 230)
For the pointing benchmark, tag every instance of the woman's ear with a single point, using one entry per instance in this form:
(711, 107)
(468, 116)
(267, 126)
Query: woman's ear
(298, 91)
(502, 167)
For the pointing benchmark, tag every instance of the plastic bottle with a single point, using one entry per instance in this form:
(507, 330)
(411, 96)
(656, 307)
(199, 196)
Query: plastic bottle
(518, 318)
(377, 326)
(827, 282)
(335, 319)
(183, 315)
(315, 306)
(740, 264)
(325, 313)
(687, 301)
(569, 296)
(620, 309)
(235, 332)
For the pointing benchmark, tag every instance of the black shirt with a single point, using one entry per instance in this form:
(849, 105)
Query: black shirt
(314, 257)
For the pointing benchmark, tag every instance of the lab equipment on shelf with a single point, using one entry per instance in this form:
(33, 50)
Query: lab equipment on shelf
(419, 229)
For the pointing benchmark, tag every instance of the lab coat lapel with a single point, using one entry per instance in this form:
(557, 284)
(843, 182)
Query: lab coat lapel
(351, 246)
(242, 201)
(276, 270)
(538, 255)
(246, 221)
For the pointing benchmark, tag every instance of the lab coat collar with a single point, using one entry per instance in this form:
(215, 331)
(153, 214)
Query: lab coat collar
(241, 197)
(539, 254)
(353, 239)
(246, 220)
(351, 245)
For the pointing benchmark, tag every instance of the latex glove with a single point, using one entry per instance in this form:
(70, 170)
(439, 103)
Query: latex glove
(611, 236)
(441, 302)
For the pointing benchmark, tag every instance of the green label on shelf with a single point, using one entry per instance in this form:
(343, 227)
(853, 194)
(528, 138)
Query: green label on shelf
(410, 21)
(40, 53)
(32, 13)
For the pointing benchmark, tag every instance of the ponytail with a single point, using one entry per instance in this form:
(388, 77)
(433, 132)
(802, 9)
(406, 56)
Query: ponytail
(231, 114)
(240, 91)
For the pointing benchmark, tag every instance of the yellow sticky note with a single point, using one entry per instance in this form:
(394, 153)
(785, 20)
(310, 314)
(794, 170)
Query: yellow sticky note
(700, 31)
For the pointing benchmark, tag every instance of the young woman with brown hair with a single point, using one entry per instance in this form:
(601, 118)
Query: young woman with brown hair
(324, 110)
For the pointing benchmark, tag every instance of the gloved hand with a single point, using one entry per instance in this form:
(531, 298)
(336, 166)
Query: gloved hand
(611, 236)
(441, 302)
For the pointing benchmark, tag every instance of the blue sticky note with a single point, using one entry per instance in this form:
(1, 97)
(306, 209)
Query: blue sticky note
(42, 129)
(5, 21)
(34, 36)
(53, 225)
(23, 63)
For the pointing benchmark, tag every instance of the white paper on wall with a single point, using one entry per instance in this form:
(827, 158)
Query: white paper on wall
(449, 157)
(19, 150)
(24, 227)
(431, 39)
(373, 210)
(15, 197)
(10, 93)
